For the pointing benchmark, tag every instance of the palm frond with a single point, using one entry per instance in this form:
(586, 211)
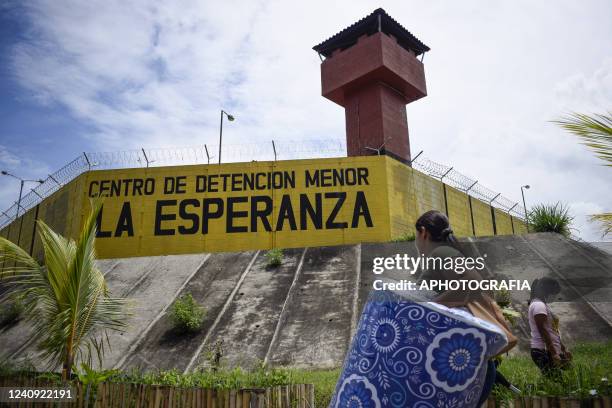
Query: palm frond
(19, 270)
(605, 220)
(594, 130)
(68, 299)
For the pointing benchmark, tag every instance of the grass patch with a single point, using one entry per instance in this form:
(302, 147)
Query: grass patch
(550, 218)
(592, 362)
(324, 380)
(324, 383)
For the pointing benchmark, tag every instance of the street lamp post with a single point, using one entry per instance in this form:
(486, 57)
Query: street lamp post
(526, 187)
(231, 119)
(21, 183)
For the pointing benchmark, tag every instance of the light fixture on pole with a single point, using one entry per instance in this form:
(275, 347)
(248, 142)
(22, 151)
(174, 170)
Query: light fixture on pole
(231, 119)
(22, 182)
(526, 187)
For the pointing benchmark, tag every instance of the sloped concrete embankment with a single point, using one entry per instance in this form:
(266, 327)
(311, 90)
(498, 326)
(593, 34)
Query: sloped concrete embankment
(150, 284)
(304, 312)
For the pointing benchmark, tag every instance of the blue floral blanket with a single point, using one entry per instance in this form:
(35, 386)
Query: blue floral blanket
(407, 353)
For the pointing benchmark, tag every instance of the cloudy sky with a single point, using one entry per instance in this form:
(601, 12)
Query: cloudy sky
(111, 75)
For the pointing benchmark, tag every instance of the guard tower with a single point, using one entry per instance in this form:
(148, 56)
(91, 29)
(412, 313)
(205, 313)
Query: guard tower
(372, 70)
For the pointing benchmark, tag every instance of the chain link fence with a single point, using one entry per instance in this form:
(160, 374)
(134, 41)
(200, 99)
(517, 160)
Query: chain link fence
(204, 154)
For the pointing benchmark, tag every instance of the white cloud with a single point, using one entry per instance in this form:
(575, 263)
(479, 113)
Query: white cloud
(7, 158)
(156, 74)
(586, 92)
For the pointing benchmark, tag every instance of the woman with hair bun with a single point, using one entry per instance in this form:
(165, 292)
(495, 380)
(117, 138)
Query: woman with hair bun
(432, 231)
(434, 238)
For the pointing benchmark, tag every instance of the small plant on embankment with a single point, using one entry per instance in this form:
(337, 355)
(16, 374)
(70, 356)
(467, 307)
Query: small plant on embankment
(213, 354)
(550, 218)
(405, 237)
(274, 257)
(187, 315)
(504, 300)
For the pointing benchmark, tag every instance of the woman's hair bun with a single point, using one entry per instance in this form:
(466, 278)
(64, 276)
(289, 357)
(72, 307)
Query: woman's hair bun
(446, 232)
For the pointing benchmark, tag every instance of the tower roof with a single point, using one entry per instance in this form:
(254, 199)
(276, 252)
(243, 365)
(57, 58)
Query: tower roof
(377, 21)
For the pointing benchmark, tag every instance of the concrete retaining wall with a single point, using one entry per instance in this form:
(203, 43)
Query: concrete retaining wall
(303, 312)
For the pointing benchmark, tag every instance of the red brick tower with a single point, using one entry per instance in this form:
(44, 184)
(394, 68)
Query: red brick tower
(371, 69)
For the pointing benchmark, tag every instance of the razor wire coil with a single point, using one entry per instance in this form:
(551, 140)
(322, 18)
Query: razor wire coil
(265, 151)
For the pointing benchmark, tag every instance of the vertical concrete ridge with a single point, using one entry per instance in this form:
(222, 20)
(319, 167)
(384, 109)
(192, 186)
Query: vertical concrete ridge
(143, 335)
(114, 266)
(565, 280)
(316, 327)
(220, 315)
(355, 307)
(282, 312)
(142, 279)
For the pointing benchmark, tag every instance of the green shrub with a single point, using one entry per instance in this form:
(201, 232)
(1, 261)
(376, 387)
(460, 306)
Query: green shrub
(187, 314)
(10, 312)
(275, 257)
(511, 315)
(405, 237)
(550, 218)
(503, 298)
(88, 375)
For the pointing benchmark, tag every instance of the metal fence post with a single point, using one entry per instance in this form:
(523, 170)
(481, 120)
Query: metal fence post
(87, 160)
(53, 178)
(493, 213)
(444, 175)
(414, 158)
(512, 218)
(145, 156)
(274, 148)
(39, 196)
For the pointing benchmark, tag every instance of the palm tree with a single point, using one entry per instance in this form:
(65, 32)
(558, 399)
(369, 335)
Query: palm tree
(596, 133)
(66, 299)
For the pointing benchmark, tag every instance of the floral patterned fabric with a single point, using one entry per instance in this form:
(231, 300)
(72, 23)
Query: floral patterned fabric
(416, 354)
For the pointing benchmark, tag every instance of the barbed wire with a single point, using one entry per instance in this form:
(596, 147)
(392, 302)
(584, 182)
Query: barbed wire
(203, 154)
(468, 185)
